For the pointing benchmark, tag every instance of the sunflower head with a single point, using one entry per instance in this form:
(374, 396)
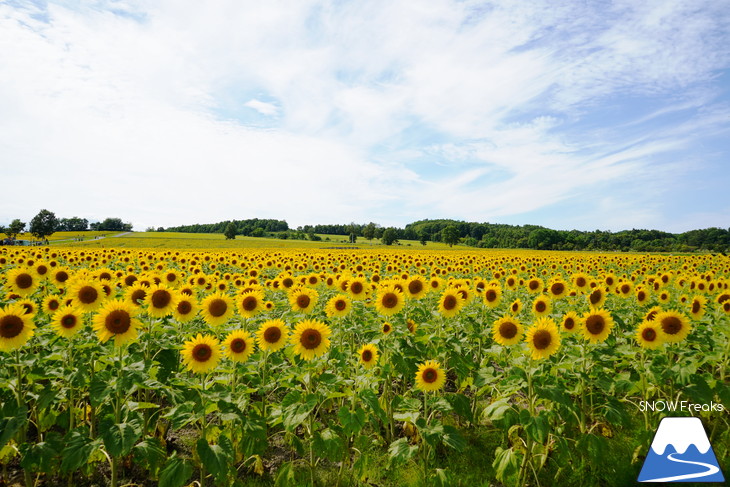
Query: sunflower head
(543, 338)
(250, 303)
(201, 354)
(596, 325)
(451, 302)
(650, 335)
(67, 321)
(571, 322)
(217, 308)
(238, 345)
(368, 355)
(88, 294)
(311, 339)
(507, 331)
(118, 320)
(16, 327)
(303, 299)
(430, 376)
(542, 306)
(22, 281)
(389, 300)
(161, 301)
(339, 305)
(676, 326)
(492, 296)
(186, 308)
(272, 335)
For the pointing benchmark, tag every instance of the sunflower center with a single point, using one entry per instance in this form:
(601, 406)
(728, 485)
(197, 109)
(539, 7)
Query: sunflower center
(68, 321)
(671, 325)
(238, 345)
(356, 287)
(88, 295)
(24, 281)
(303, 301)
(542, 339)
(695, 306)
(170, 277)
(557, 288)
(272, 334)
(625, 289)
(138, 296)
(508, 329)
(595, 297)
(129, 280)
(390, 300)
(367, 356)
(287, 282)
(386, 328)
(42, 270)
(649, 334)
(540, 306)
(515, 307)
(184, 307)
(202, 352)
(569, 323)
(217, 308)
(310, 338)
(415, 287)
(430, 375)
(533, 285)
(340, 305)
(62, 276)
(641, 296)
(11, 326)
(161, 298)
(118, 322)
(450, 302)
(53, 305)
(595, 324)
(580, 282)
(651, 316)
(249, 303)
(491, 295)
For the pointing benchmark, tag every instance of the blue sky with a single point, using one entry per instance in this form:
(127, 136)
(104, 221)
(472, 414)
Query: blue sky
(577, 114)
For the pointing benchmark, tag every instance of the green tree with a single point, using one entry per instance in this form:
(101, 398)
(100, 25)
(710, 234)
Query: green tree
(43, 224)
(450, 235)
(230, 231)
(368, 231)
(390, 236)
(258, 232)
(15, 227)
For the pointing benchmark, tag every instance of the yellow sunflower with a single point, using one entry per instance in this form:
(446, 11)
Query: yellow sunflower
(430, 377)
(387, 328)
(186, 308)
(542, 305)
(557, 288)
(217, 308)
(451, 302)
(597, 297)
(651, 314)
(415, 287)
(60, 276)
(51, 304)
(571, 322)
(535, 285)
(515, 307)
(238, 345)
(272, 335)
(676, 326)
(650, 335)
(88, 295)
(338, 306)
(161, 301)
(597, 325)
(642, 295)
(303, 299)
(16, 327)
(507, 331)
(250, 303)
(368, 355)
(389, 300)
(67, 321)
(492, 296)
(30, 307)
(116, 319)
(358, 288)
(311, 339)
(22, 281)
(412, 325)
(201, 354)
(136, 294)
(697, 306)
(543, 338)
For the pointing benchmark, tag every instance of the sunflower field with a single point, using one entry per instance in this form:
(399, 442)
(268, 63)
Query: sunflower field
(352, 367)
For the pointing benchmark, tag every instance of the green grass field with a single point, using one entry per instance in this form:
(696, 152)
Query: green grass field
(160, 240)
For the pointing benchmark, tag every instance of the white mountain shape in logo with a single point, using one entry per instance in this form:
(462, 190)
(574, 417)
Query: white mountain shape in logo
(680, 433)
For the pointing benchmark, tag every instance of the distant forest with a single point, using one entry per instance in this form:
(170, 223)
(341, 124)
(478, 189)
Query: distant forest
(483, 235)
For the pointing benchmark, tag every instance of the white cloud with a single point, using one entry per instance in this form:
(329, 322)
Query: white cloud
(128, 112)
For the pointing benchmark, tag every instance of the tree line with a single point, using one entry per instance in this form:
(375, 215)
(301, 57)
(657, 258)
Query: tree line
(45, 224)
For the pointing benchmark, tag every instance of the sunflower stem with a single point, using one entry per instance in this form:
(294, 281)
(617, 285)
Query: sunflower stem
(264, 368)
(203, 424)
(118, 411)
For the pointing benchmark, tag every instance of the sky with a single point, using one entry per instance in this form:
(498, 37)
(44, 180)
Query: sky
(581, 115)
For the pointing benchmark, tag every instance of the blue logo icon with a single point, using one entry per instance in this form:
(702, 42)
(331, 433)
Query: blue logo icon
(681, 452)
